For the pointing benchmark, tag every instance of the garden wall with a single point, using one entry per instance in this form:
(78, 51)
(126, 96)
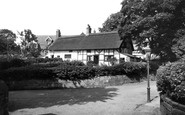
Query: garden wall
(90, 83)
(169, 107)
(3, 98)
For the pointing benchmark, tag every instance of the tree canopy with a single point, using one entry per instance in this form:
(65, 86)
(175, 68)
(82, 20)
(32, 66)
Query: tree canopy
(7, 45)
(159, 22)
(112, 23)
(30, 46)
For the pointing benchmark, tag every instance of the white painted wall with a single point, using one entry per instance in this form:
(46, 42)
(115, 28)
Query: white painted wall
(82, 55)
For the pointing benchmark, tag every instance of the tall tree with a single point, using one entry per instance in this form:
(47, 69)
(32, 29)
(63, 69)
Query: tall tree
(7, 44)
(30, 46)
(112, 23)
(161, 22)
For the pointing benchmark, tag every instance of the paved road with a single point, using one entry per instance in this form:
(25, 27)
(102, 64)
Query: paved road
(129, 99)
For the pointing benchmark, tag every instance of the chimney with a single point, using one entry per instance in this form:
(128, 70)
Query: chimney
(88, 30)
(58, 34)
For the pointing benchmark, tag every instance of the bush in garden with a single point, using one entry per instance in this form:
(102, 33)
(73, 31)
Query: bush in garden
(70, 72)
(75, 63)
(153, 67)
(171, 81)
(91, 63)
(26, 73)
(15, 62)
(131, 69)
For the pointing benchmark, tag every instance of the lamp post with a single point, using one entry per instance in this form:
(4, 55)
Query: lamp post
(148, 77)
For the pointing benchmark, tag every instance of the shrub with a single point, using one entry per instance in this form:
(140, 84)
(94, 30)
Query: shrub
(131, 69)
(15, 62)
(153, 67)
(91, 63)
(44, 60)
(26, 73)
(171, 81)
(70, 72)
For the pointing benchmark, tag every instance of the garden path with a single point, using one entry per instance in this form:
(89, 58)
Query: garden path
(128, 99)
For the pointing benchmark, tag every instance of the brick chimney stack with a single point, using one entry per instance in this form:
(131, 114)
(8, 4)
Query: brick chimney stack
(58, 34)
(88, 30)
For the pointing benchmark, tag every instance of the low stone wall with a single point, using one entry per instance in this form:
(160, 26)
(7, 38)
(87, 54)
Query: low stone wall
(3, 98)
(169, 107)
(102, 81)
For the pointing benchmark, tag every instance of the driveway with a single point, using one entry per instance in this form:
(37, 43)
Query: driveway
(128, 99)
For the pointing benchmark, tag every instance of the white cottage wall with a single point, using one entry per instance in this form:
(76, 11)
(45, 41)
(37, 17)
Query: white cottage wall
(81, 55)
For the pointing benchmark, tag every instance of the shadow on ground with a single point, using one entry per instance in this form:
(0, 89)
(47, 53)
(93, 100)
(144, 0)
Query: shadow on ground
(47, 98)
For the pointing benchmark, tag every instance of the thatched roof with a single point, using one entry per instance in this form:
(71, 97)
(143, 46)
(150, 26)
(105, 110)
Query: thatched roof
(108, 40)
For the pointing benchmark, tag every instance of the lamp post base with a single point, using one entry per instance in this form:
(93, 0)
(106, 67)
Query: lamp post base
(148, 94)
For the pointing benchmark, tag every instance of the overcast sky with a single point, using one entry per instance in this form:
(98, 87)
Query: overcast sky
(43, 17)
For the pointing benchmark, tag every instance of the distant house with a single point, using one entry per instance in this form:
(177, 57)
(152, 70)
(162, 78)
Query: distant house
(45, 41)
(96, 47)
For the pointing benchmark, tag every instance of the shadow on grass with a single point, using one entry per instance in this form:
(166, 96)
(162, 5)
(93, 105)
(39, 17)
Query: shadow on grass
(47, 98)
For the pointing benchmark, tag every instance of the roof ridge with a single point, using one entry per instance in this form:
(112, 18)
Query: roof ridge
(45, 35)
(112, 32)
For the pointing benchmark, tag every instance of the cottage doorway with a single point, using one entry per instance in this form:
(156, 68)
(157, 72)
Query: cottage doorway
(96, 59)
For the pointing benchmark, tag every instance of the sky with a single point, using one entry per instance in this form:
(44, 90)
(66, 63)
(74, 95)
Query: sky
(44, 17)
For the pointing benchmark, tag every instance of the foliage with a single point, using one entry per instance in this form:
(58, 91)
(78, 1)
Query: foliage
(158, 22)
(14, 62)
(70, 72)
(171, 81)
(26, 73)
(75, 73)
(30, 46)
(112, 61)
(73, 63)
(112, 23)
(91, 63)
(7, 45)
(44, 60)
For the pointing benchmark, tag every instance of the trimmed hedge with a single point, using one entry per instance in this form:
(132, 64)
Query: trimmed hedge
(26, 73)
(43, 60)
(15, 62)
(74, 70)
(75, 73)
(171, 81)
(71, 72)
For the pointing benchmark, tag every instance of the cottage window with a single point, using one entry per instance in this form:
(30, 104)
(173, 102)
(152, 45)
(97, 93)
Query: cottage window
(107, 57)
(67, 56)
(89, 58)
(58, 56)
(52, 56)
(70, 50)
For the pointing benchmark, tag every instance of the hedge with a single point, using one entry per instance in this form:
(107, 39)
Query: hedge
(71, 72)
(26, 73)
(171, 81)
(74, 70)
(15, 62)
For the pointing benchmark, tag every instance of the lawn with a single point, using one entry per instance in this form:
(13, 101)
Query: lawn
(47, 98)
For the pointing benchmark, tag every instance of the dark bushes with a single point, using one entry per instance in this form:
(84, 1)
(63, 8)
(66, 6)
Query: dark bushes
(171, 81)
(26, 73)
(15, 62)
(70, 72)
(131, 69)
(73, 72)
(44, 60)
